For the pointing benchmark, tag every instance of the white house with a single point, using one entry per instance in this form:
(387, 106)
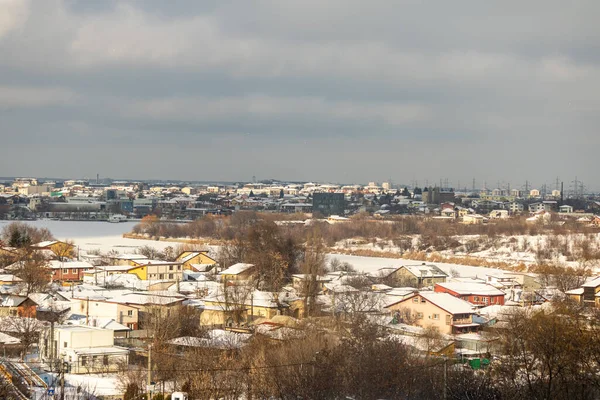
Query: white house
(85, 349)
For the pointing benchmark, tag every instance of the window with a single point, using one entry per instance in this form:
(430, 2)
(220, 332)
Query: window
(179, 268)
(161, 276)
(170, 268)
(419, 315)
(73, 271)
(130, 313)
(105, 359)
(65, 270)
(170, 276)
(423, 300)
(415, 300)
(448, 319)
(83, 361)
(65, 344)
(95, 360)
(486, 300)
(436, 316)
(476, 298)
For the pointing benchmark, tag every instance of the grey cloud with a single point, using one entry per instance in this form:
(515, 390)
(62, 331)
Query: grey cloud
(340, 90)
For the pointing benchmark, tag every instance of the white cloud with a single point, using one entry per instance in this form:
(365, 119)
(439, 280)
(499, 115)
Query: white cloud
(13, 14)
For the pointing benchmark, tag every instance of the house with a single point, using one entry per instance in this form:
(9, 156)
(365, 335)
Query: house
(85, 349)
(590, 289)
(449, 314)
(238, 272)
(189, 258)
(14, 305)
(473, 219)
(527, 281)
(498, 214)
(147, 304)
(157, 269)
(542, 206)
(68, 271)
(61, 250)
(478, 294)
(125, 314)
(576, 294)
(514, 207)
(565, 209)
(419, 275)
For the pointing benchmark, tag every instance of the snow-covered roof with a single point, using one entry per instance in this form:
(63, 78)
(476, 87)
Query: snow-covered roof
(45, 243)
(577, 291)
(445, 301)
(9, 278)
(593, 283)
(474, 288)
(7, 339)
(191, 255)
(159, 262)
(55, 264)
(11, 300)
(216, 338)
(143, 299)
(236, 269)
(425, 271)
(202, 267)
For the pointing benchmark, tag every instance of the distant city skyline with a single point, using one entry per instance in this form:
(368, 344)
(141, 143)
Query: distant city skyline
(340, 91)
(568, 186)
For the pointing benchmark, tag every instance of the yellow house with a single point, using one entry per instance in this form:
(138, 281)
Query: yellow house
(60, 249)
(575, 295)
(446, 313)
(238, 272)
(155, 270)
(189, 258)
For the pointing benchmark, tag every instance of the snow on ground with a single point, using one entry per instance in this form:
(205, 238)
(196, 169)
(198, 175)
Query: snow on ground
(95, 384)
(372, 264)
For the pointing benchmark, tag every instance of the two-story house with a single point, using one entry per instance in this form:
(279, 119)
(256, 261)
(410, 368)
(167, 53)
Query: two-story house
(158, 270)
(449, 314)
(68, 271)
(85, 349)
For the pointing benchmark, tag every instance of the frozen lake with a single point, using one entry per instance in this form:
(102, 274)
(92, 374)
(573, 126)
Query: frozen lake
(92, 235)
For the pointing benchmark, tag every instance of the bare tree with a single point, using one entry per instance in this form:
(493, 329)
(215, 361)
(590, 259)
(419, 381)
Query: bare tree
(33, 270)
(26, 329)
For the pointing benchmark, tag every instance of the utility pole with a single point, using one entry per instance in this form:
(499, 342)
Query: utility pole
(473, 187)
(149, 377)
(445, 391)
(62, 380)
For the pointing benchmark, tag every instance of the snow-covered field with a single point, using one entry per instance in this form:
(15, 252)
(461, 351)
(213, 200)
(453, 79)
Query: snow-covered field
(372, 264)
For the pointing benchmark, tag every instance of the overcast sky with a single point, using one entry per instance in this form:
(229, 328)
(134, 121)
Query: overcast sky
(335, 90)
